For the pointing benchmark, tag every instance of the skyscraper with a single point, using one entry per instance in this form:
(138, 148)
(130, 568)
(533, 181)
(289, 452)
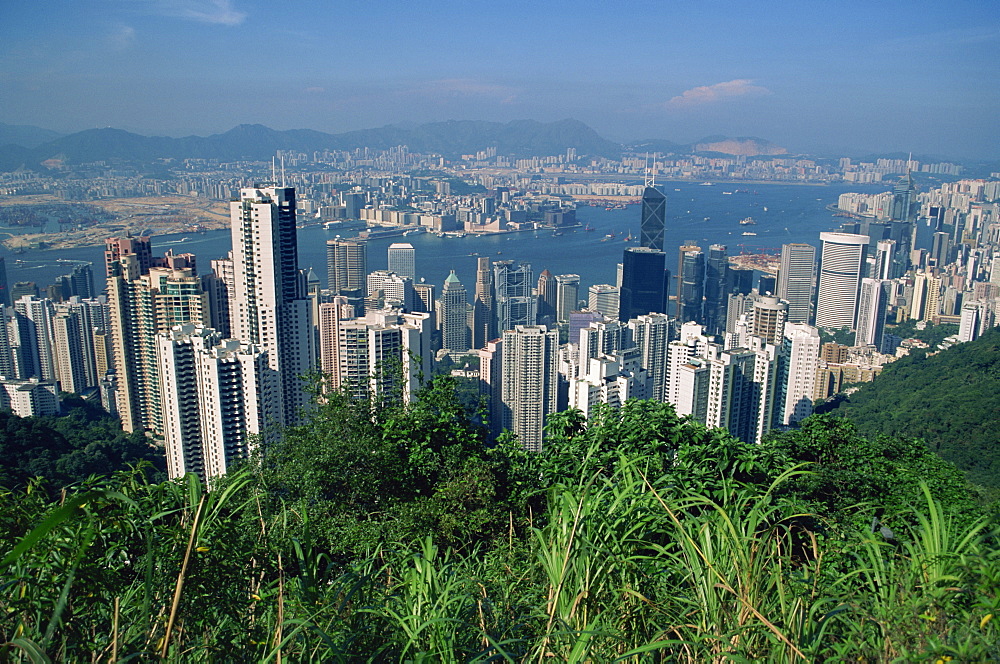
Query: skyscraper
(273, 310)
(220, 286)
(514, 302)
(36, 318)
(548, 295)
(800, 359)
(567, 295)
(644, 283)
(797, 280)
(4, 290)
(604, 299)
(530, 381)
(214, 399)
(768, 318)
(654, 215)
(901, 226)
(483, 329)
(388, 289)
(885, 252)
(651, 335)
(385, 354)
(689, 245)
(452, 315)
(140, 247)
(692, 295)
(871, 313)
(346, 265)
(842, 263)
(716, 289)
(142, 305)
(402, 260)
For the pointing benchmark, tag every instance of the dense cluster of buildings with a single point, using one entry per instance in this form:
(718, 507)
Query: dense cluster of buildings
(212, 363)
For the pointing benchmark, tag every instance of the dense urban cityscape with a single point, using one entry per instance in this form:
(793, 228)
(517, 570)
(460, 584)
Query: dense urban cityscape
(206, 362)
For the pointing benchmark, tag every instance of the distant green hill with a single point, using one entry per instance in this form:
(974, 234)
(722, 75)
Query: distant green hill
(950, 399)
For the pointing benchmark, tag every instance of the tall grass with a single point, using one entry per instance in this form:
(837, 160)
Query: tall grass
(623, 566)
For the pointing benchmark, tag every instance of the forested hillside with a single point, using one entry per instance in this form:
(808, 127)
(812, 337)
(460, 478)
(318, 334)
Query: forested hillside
(389, 532)
(950, 399)
(69, 448)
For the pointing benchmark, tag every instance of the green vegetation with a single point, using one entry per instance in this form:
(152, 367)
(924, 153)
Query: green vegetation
(844, 336)
(949, 399)
(932, 335)
(69, 448)
(391, 533)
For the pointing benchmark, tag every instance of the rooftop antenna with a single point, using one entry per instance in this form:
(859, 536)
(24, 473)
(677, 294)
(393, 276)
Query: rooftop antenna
(650, 178)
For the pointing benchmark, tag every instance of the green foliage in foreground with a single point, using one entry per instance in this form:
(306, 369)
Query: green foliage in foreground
(637, 536)
(950, 399)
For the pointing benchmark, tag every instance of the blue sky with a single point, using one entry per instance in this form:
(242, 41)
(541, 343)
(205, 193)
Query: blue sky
(858, 76)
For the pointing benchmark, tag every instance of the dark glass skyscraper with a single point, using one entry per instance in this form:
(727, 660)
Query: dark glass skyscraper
(692, 287)
(644, 283)
(716, 288)
(902, 225)
(654, 219)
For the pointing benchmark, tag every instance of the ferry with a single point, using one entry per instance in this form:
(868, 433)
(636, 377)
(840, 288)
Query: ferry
(748, 221)
(749, 233)
(707, 184)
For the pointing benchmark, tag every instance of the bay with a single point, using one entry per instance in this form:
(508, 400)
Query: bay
(705, 214)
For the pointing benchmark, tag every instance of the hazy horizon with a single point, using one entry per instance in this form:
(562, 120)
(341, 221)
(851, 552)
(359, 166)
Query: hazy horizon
(847, 78)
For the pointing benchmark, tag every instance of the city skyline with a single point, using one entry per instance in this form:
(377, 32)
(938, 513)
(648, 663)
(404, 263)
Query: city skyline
(808, 78)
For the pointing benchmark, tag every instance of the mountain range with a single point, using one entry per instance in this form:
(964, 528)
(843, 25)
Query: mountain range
(23, 146)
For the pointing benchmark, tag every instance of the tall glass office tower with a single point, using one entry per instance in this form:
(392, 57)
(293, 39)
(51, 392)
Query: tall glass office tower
(644, 283)
(654, 218)
(797, 280)
(841, 268)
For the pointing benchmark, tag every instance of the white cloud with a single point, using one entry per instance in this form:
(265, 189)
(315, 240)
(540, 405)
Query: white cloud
(122, 37)
(707, 94)
(220, 12)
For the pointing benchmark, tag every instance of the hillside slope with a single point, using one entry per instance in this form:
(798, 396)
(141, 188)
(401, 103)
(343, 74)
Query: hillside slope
(950, 399)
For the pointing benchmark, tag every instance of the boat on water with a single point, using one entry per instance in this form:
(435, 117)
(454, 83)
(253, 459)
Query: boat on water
(749, 233)
(727, 193)
(588, 227)
(748, 221)
(707, 184)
